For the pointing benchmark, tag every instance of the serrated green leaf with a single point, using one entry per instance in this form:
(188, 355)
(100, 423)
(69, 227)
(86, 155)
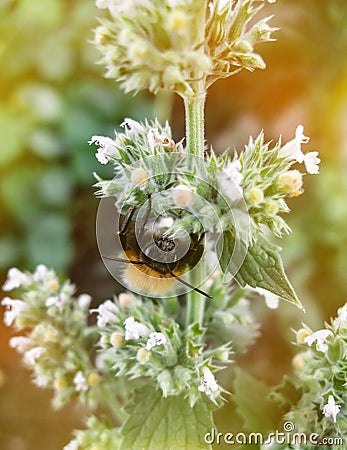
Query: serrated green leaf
(252, 399)
(157, 423)
(286, 394)
(262, 267)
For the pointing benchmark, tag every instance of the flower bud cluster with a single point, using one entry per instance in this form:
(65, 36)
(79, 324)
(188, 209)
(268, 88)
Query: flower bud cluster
(98, 435)
(267, 178)
(230, 42)
(142, 156)
(200, 193)
(321, 379)
(153, 44)
(139, 340)
(57, 343)
(170, 44)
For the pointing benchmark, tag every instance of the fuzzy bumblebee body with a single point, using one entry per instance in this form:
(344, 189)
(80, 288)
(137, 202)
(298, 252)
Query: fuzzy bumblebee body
(146, 271)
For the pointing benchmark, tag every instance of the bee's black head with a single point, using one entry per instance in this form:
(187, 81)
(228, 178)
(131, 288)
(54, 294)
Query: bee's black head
(165, 244)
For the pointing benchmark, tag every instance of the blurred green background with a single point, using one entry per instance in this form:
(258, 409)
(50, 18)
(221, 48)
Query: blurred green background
(54, 98)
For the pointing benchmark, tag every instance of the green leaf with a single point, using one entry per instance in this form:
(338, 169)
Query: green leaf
(262, 267)
(252, 399)
(157, 423)
(286, 394)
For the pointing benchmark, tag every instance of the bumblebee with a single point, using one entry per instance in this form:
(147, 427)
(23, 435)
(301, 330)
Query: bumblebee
(154, 262)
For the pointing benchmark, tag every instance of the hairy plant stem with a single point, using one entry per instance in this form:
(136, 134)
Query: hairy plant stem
(113, 403)
(194, 109)
(195, 124)
(195, 301)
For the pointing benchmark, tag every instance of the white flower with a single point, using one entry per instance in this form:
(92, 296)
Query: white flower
(84, 300)
(41, 273)
(41, 380)
(233, 172)
(107, 313)
(106, 148)
(20, 343)
(72, 445)
(134, 330)
(15, 279)
(271, 300)
(208, 383)
(292, 149)
(331, 409)
(32, 355)
(155, 339)
(133, 128)
(230, 181)
(320, 337)
(57, 300)
(15, 309)
(80, 382)
(242, 223)
(155, 139)
(53, 300)
(312, 161)
(341, 319)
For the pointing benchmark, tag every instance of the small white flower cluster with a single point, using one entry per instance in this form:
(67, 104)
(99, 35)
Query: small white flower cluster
(150, 135)
(42, 278)
(230, 41)
(136, 343)
(164, 55)
(97, 435)
(142, 155)
(155, 44)
(321, 377)
(264, 178)
(55, 322)
(254, 185)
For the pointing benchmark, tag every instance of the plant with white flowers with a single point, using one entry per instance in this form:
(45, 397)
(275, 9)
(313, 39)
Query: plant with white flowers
(320, 372)
(159, 349)
(314, 399)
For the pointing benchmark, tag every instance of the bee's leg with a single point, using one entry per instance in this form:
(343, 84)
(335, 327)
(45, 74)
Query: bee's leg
(181, 280)
(125, 222)
(198, 242)
(148, 211)
(201, 237)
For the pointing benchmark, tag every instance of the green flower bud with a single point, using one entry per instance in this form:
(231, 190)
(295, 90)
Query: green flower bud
(255, 196)
(290, 182)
